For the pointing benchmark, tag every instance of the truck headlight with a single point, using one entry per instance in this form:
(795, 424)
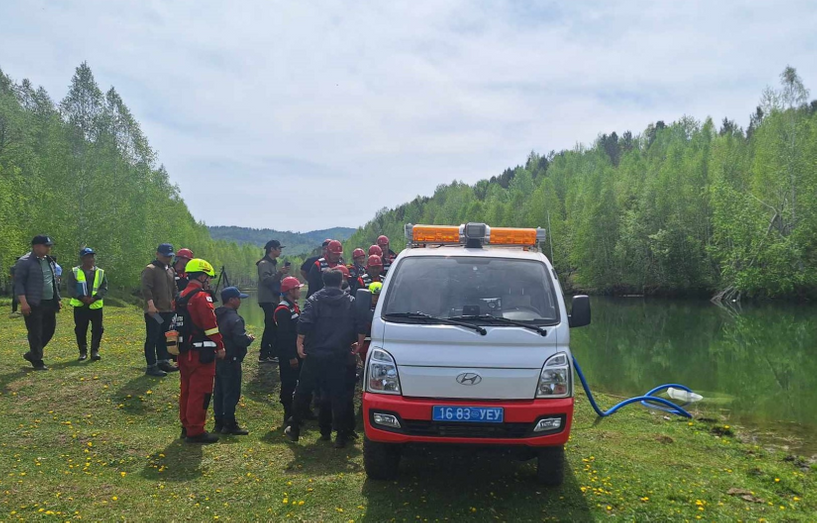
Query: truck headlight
(381, 373)
(554, 380)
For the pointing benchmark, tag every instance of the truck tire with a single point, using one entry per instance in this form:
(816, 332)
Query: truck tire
(550, 467)
(380, 460)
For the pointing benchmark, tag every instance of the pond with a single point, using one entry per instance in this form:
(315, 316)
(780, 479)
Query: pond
(756, 365)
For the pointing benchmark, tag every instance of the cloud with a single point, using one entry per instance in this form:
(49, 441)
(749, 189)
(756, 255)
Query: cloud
(315, 114)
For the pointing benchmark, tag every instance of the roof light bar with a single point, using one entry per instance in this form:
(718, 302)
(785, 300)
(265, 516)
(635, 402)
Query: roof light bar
(472, 233)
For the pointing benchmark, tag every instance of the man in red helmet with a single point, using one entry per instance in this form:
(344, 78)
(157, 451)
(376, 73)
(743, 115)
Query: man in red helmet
(375, 250)
(286, 335)
(388, 255)
(309, 262)
(182, 257)
(334, 250)
(374, 268)
(357, 268)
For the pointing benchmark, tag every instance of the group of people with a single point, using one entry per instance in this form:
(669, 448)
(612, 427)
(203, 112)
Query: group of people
(316, 347)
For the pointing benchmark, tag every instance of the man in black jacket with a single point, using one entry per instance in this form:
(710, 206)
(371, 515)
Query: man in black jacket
(227, 389)
(286, 335)
(35, 285)
(327, 330)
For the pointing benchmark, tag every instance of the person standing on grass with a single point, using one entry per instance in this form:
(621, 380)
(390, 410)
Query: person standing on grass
(228, 371)
(35, 285)
(158, 289)
(269, 292)
(87, 286)
(286, 334)
(14, 301)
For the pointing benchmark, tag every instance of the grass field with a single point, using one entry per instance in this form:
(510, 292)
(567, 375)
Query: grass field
(97, 441)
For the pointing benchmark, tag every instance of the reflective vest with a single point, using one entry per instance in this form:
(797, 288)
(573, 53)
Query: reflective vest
(366, 280)
(79, 274)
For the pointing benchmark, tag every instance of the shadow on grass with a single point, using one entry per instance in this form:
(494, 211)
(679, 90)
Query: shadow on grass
(453, 484)
(178, 462)
(131, 395)
(264, 382)
(313, 457)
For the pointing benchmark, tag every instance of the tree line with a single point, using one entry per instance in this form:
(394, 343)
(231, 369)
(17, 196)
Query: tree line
(681, 209)
(82, 171)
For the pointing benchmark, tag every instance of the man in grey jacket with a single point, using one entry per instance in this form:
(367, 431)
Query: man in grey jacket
(35, 285)
(269, 294)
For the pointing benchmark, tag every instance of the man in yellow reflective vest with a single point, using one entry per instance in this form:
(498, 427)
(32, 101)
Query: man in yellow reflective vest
(87, 286)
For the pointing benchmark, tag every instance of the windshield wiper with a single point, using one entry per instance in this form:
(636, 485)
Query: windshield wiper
(448, 321)
(500, 319)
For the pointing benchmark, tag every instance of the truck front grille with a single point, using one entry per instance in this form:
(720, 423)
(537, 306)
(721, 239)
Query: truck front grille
(466, 430)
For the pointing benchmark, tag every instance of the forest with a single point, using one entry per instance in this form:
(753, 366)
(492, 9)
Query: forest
(682, 209)
(83, 172)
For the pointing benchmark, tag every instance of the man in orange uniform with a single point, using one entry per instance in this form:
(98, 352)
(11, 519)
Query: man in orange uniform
(200, 344)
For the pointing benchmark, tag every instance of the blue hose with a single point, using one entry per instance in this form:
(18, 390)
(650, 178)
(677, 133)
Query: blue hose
(649, 400)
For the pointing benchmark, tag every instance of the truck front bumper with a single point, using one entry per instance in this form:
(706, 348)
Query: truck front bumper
(518, 428)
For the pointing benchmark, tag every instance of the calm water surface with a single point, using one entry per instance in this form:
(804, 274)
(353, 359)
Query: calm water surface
(756, 365)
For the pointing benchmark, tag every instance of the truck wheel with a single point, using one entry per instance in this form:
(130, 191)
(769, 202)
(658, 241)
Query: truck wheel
(380, 460)
(550, 468)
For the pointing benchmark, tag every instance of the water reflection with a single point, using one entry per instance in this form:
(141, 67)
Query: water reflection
(757, 365)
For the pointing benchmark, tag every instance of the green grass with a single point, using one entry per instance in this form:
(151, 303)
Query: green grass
(97, 441)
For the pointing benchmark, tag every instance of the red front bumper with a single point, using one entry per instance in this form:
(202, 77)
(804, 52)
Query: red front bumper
(415, 418)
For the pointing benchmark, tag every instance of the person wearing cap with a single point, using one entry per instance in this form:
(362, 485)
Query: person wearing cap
(182, 257)
(309, 262)
(357, 268)
(200, 344)
(269, 292)
(327, 329)
(87, 286)
(227, 390)
(35, 285)
(334, 251)
(374, 266)
(388, 255)
(286, 334)
(158, 289)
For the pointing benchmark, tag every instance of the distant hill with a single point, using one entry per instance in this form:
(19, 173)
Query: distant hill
(295, 242)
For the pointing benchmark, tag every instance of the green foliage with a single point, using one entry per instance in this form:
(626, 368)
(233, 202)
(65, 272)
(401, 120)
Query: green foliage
(297, 243)
(84, 173)
(684, 208)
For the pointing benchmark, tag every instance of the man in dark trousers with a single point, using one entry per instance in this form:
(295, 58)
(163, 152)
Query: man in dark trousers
(269, 293)
(35, 285)
(158, 290)
(286, 335)
(228, 371)
(334, 251)
(87, 285)
(327, 329)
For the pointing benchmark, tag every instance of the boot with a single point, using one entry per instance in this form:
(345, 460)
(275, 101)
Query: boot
(326, 436)
(292, 432)
(205, 438)
(95, 355)
(167, 367)
(235, 429)
(83, 355)
(219, 426)
(153, 370)
(341, 440)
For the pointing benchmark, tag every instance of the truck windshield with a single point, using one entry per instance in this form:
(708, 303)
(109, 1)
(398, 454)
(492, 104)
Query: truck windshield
(467, 286)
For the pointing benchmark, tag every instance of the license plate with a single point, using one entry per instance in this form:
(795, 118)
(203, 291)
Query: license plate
(468, 414)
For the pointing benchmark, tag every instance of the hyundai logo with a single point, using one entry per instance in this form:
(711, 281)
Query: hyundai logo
(469, 378)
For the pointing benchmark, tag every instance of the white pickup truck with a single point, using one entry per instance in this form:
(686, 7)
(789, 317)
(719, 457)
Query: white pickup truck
(470, 346)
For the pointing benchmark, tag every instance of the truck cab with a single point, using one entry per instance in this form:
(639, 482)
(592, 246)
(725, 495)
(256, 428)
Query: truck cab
(470, 345)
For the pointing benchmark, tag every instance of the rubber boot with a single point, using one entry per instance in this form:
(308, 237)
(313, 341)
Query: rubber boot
(205, 438)
(219, 426)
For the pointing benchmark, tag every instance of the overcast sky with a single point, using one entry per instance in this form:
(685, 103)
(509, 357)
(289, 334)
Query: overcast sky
(305, 115)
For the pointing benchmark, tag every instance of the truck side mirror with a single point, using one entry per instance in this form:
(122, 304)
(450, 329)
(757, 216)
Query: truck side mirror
(363, 306)
(580, 314)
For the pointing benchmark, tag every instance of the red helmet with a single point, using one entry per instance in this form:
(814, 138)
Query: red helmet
(334, 247)
(374, 261)
(343, 269)
(382, 240)
(289, 283)
(358, 252)
(185, 253)
(375, 250)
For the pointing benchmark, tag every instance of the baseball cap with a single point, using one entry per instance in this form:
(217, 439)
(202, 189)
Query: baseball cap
(165, 249)
(273, 244)
(86, 251)
(42, 239)
(232, 292)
